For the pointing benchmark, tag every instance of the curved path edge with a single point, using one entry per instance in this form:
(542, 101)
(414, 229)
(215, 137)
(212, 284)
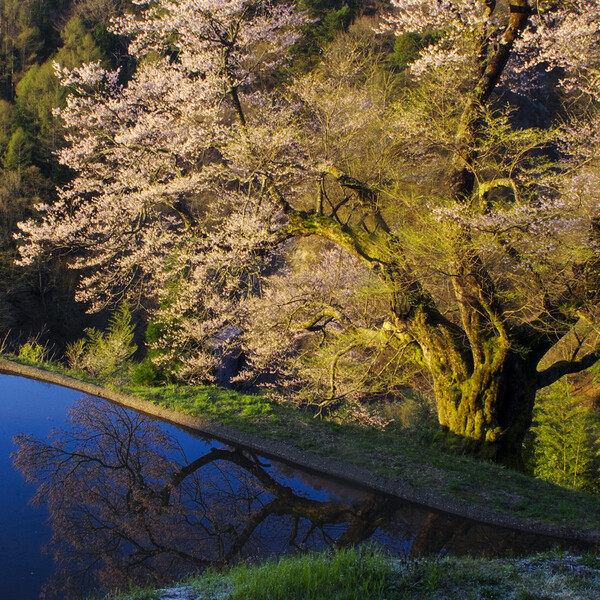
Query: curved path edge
(307, 460)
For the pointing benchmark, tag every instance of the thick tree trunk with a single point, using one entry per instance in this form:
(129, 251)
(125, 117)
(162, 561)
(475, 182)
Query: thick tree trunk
(487, 402)
(489, 412)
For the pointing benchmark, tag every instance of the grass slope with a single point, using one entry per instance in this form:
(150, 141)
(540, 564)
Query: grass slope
(369, 575)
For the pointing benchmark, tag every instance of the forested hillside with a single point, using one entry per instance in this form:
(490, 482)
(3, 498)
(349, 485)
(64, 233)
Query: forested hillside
(359, 204)
(34, 34)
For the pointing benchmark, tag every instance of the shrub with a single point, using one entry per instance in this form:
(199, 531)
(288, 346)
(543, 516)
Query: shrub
(145, 374)
(106, 354)
(32, 352)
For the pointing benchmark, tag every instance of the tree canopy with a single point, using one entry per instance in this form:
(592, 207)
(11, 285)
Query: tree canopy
(457, 201)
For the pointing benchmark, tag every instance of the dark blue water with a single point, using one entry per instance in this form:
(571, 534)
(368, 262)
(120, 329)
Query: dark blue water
(32, 407)
(127, 498)
(35, 409)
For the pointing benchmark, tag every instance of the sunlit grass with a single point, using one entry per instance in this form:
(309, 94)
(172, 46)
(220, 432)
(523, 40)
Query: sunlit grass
(351, 574)
(207, 401)
(343, 575)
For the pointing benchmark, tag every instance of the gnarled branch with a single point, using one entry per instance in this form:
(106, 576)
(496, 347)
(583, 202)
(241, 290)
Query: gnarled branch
(566, 367)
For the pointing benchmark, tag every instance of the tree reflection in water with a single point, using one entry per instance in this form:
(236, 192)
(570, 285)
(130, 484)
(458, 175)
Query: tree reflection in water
(125, 504)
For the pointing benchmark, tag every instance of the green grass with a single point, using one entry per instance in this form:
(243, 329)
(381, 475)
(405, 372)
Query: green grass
(343, 575)
(52, 366)
(370, 575)
(227, 406)
(548, 576)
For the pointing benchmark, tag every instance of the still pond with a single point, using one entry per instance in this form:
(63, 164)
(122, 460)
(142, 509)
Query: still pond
(95, 496)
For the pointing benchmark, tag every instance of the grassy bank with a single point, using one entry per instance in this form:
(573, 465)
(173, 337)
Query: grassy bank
(401, 454)
(395, 452)
(368, 575)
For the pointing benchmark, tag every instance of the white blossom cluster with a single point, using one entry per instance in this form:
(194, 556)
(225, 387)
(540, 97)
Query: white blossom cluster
(174, 167)
(568, 40)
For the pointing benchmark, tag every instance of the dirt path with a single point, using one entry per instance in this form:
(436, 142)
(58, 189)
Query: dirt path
(286, 452)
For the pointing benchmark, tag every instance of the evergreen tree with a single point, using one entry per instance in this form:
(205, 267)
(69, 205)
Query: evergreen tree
(34, 34)
(565, 440)
(105, 354)
(5, 124)
(19, 152)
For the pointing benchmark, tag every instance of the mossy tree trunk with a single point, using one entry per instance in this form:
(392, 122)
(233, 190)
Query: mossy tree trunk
(483, 358)
(485, 390)
(484, 365)
(486, 407)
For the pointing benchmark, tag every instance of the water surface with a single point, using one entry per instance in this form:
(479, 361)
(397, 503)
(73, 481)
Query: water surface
(121, 497)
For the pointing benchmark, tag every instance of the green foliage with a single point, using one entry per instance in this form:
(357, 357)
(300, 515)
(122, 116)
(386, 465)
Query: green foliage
(334, 21)
(330, 18)
(360, 376)
(39, 92)
(5, 124)
(34, 33)
(145, 374)
(79, 45)
(109, 46)
(566, 435)
(165, 364)
(32, 352)
(19, 152)
(408, 46)
(105, 355)
(29, 33)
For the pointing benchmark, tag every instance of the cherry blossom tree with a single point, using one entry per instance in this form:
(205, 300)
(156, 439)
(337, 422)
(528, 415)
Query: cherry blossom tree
(480, 223)
(505, 267)
(172, 205)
